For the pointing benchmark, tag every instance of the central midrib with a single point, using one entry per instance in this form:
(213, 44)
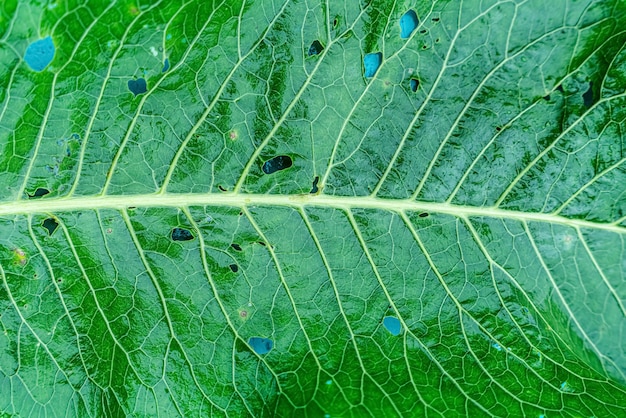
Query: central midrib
(58, 205)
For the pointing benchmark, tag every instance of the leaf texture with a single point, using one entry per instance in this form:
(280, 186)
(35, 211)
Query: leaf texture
(229, 208)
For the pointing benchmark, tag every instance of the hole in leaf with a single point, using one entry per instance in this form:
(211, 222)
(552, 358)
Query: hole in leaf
(315, 189)
(39, 192)
(560, 88)
(166, 65)
(50, 224)
(588, 96)
(371, 62)
(219, 186)
(261, 243)
(236, 247)
(435, 19)
(423, 215)
(498, 128)
(261, 345)
(280, 162)
(39, 54)
(414, 83)
(335, 22)
(234, 268)
(393, 325)
(138, 86)
(316, 48)
(546, 97)
(408, 23)
(181, 234)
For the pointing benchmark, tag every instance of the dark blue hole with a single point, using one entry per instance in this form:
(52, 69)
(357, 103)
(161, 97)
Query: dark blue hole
(392, 324)
(261, 345)
(181, 234)
(39, 54)
(414, 84)
(280, 162)
(166, 65)
(408, 23)
(315, 48)
(372, 62)
(137, 86)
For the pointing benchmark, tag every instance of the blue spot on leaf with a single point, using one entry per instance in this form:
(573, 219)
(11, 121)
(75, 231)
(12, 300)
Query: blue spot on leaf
(261, 345)
(39, 54)
(393, 325)
(408, 23)
(372, 62)
(166, 65)
(138, 86)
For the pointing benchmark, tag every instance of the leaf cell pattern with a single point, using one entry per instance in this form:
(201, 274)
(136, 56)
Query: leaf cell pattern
(461, 253)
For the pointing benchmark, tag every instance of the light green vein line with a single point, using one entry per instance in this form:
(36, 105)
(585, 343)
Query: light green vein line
(227, 317)
(59, 293)
(390, 300)
(549, 148)
(166, 383)
(355, 106)
(216, 97)
(504, 305)
(537, 311)
(284, 284)
(143, 100)
(94, 295)
(8, 30)
(588, 184)
(467, 314)
(508, 124)
(118, 202)
(8, 96)
(601, 272)
(420, 110)
(564, 303)
(283, 118)
(94, 112)
(162, 299)
(333, 283)
(51, 99)
(435, 270)
(32, 331)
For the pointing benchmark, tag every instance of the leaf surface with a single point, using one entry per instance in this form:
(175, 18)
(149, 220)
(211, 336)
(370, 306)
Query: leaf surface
(231, 209)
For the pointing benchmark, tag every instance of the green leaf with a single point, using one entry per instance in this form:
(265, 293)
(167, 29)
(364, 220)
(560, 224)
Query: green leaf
(208, 209)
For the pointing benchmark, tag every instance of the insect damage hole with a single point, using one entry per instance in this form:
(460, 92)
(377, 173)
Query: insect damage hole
(316, 48)
(51, 225)
(39, 54)
(393, 325)
(408, 23)
(39, 192)
(138, 86)
(261, 345)
(278, 163)
(315, 189)
(371, 63)
(181, 234)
